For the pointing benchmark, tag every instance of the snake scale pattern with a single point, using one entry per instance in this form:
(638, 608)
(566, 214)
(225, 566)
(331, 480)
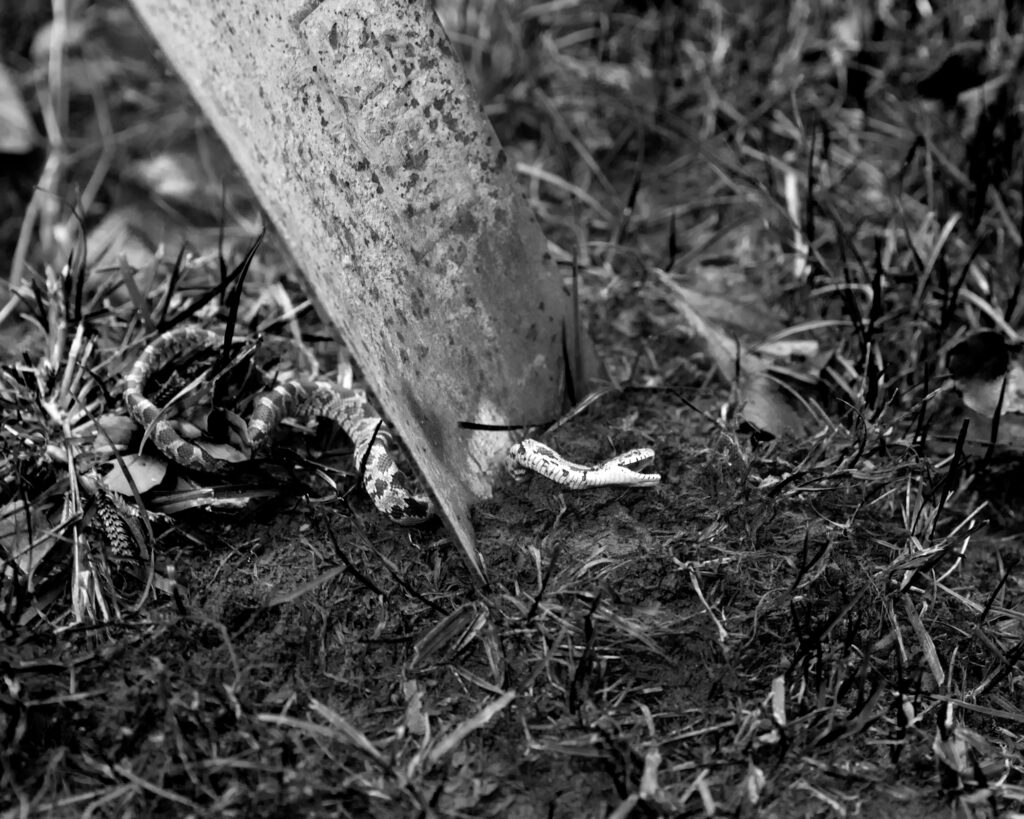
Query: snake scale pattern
(386, 484)
(620, 470)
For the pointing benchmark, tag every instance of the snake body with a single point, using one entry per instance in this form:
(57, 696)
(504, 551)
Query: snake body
(386, 484)
(620, 470)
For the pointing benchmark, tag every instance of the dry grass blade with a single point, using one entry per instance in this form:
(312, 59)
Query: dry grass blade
(352, 735)
(454, 738)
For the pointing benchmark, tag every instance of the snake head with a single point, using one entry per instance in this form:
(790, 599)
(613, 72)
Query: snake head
(620, 470)
(628, 468)
(635, 462)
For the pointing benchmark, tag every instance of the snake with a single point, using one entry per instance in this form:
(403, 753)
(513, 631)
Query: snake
(619, 470)
(300, 397)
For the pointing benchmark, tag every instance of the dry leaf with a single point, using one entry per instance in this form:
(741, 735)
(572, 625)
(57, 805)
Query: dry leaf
(765, 401)
(145, 470)
(726, 295)
(120, 234)
(17, 133)
(222, 452)
(980, 366)
(113, 431)
(18, 523)
(773, 406)
(173, 176)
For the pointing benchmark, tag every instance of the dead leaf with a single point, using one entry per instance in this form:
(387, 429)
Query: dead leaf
(17, 133)
(765, 400)
(222, 452)
(725, 352)
(121, 234)
(113, 431)
(804, 349)
(986, 369)
(173, 176)
(770, 405)
(145, 470)
(726, 296)
(1010, 433)
(25, 536)
(416, 722)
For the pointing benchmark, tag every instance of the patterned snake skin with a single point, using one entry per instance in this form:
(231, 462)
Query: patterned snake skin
(386, 485)
(621, 470)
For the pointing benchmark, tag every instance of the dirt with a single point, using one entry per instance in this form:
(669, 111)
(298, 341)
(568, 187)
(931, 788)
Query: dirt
(626, 620)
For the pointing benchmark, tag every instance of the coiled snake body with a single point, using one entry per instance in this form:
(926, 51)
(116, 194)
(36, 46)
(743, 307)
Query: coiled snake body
(386, 484)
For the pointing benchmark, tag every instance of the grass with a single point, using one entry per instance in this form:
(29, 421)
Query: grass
(770, 225)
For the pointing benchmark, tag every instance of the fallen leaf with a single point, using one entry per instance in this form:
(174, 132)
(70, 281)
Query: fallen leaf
(770, 405)
(145, 470)
(113, 431)
(766, 401)
(980, 366)
(173, 176)
(17, 133)
(19, 524)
